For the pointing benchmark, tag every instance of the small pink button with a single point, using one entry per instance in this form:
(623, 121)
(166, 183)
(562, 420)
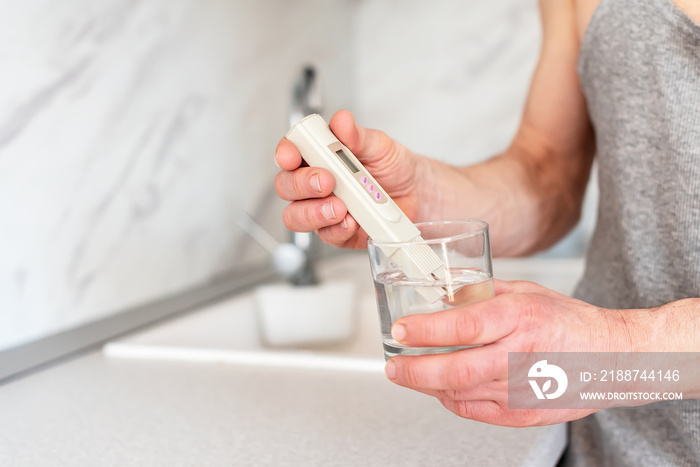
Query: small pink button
(377, 196)
(364, 180)
(371, 188)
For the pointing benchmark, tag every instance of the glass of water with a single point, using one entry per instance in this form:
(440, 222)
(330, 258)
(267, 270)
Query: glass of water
(465, 252)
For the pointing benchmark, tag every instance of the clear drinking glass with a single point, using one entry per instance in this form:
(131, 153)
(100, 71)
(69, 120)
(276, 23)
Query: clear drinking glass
(464, 249)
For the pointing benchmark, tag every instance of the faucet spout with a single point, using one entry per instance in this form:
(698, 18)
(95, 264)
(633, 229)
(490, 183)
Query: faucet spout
(306, 96)
(306, 100)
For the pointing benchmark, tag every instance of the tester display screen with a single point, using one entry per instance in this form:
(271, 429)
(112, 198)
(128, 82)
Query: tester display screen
(346, 160)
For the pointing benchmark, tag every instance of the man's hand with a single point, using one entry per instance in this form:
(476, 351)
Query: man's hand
(523, 317)
(310, 189)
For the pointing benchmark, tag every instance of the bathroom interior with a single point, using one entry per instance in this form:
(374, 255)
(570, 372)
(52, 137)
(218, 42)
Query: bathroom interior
(154, 309)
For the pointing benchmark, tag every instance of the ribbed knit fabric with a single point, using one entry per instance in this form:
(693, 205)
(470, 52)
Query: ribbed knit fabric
(640, 71)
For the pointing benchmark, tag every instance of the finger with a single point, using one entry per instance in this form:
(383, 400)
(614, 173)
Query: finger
(497, 413)
(492, 390)
(368, 145)
(303, 183)
(457, 370)
(343, 234)
(287, 156)
(313, 214)
(343, 126)
(486, 411)
(479, 323)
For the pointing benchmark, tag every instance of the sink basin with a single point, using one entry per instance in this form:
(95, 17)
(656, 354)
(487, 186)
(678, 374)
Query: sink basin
(227, 331)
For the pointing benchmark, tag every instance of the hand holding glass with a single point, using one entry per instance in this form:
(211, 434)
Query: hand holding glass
(464, 249)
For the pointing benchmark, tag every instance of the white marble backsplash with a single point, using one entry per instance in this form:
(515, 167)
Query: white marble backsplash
(130, 131)
(448, 79)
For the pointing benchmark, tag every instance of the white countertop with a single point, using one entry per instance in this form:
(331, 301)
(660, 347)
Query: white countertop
(105, 410)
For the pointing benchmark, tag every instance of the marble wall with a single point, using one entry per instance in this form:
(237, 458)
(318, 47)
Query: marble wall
(448, 79)
(132, 131)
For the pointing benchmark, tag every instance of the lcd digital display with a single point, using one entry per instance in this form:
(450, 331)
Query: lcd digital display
(346, 160)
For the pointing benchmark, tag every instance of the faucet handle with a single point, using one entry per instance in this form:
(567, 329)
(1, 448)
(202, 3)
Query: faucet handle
(292, 261)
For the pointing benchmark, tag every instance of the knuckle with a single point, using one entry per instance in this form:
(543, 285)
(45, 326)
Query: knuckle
(530, 318)
(326, 234)
(467, 328)
(460, 408)
(287, 217)
(297, 183)
(459, 376)
(423, 330)
(410, 375)
(279, 186)
(528, 310)
(308, 215)
(448, 394)
(335, 234)
(464, 410)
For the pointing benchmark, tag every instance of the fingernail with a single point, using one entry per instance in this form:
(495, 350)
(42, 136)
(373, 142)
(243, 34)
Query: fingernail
(345, 223)
(398, 332)
(390, 370)
(327, 210)
(315, 183)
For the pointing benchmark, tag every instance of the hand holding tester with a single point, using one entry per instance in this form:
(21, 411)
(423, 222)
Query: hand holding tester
(368, 203)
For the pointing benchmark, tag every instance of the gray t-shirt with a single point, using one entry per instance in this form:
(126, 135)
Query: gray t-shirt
(640, 72)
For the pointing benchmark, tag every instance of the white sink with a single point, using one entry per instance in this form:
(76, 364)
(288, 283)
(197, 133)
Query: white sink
(228, 332)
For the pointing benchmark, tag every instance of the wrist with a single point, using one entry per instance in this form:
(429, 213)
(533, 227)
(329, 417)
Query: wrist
(668, 328)
(676, 330)
(676, 326)
(444, 191)
(634, 330)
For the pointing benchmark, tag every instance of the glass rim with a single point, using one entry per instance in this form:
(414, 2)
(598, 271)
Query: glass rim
(435, 241)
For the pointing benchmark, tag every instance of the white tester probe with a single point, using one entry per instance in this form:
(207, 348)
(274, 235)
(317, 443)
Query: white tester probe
(368, 203)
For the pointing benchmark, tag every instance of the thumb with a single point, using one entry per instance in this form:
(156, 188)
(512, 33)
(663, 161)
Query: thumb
(369, 146)
(390, 163)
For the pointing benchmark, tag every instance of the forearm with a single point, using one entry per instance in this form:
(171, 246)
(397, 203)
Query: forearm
(528, 202)
(531, 194)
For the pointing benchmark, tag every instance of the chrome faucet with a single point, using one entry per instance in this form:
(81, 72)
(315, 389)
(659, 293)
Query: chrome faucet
(306, 100)
(306, 96)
